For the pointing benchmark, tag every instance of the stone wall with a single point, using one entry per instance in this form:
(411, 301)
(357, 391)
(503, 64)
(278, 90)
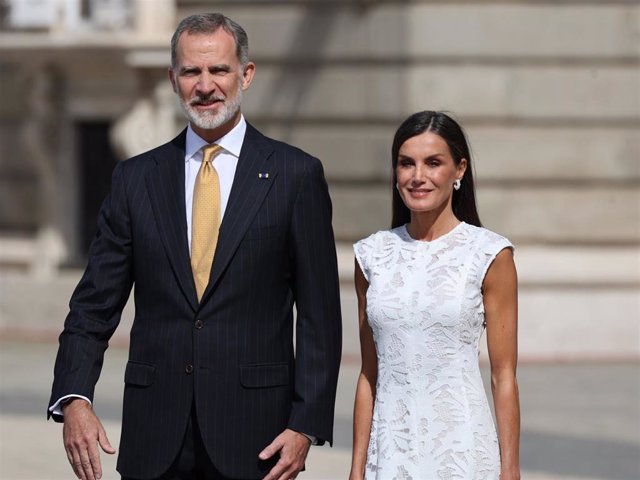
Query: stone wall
(550, 95)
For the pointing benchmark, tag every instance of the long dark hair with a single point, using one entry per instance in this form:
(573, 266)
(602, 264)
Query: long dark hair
(439, 123)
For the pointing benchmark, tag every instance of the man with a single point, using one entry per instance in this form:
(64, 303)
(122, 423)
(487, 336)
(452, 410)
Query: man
(219, 243)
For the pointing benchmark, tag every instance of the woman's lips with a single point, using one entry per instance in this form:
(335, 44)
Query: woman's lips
(419, 193)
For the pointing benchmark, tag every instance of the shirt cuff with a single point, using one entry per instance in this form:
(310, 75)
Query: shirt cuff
(314, 440)
(56, 408)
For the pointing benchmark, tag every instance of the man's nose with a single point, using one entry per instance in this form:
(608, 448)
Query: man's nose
(206, 84)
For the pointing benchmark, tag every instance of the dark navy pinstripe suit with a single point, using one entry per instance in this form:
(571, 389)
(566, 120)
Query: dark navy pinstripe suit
(232, 354)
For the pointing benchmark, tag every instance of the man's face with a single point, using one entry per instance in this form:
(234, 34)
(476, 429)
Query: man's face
(209, 81)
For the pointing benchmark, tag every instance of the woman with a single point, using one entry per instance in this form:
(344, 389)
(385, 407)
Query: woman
(426, 290)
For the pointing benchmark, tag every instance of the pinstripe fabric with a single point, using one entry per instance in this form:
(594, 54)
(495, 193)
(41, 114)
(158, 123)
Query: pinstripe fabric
(275, 248)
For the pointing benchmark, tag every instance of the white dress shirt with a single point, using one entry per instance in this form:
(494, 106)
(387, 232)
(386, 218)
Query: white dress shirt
(225, 164)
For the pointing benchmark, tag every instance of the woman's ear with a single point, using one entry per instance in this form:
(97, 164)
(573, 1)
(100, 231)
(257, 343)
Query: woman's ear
(462, 167)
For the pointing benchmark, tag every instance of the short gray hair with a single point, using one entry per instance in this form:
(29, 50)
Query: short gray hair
(210, 23)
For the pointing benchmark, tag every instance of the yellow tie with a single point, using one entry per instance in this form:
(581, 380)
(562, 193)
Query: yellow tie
(205, 219)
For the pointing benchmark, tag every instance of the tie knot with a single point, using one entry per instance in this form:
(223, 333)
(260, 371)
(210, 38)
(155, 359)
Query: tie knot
(210, 152)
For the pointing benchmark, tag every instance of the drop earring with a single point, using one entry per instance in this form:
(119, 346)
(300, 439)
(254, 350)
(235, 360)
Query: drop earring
(456, 184)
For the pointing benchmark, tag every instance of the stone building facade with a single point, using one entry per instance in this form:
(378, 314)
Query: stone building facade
(548, 91)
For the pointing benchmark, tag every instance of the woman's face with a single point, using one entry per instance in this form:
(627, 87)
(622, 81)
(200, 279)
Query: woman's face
(426, 172)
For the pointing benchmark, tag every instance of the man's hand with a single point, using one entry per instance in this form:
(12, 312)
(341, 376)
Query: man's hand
(293, 448)
(82, 431)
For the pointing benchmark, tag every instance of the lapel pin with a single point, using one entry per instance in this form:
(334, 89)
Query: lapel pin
(263, 175)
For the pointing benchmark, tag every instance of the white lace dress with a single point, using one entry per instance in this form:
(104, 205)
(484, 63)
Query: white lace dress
(431, 418)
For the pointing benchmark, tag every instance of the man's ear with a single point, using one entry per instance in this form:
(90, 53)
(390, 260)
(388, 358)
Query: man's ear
(247, 75)
(172, 79)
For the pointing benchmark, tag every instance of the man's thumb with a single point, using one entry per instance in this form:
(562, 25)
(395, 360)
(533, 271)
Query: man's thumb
(271, 449)
(104, 442)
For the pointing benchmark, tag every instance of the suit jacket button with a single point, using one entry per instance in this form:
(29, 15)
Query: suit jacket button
(199, 324)
(188, 369)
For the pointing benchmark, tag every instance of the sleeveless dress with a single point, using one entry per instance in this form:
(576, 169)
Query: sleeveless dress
(431, 418)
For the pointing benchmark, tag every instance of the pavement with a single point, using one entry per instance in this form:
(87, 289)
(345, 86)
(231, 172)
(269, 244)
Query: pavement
(580, 421)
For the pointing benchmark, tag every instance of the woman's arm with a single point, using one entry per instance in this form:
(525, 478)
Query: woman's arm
(366, 388)
(500, 292)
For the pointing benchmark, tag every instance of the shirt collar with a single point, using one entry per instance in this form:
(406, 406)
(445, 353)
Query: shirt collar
(231, 142)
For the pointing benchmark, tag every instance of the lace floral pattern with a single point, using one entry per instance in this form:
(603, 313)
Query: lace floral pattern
(431, 418)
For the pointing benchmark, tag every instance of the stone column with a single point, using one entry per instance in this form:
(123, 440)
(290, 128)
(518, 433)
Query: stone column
(40, 140)
(150, 121)
(154, 17)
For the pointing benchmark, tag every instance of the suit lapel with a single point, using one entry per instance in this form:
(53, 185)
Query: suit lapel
(166, 192)
(250, 187)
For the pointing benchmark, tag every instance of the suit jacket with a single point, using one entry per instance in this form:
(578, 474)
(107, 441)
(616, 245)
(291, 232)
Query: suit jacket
(231, 355)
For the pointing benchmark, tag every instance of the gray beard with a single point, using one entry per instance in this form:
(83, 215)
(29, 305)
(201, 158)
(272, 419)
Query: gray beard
(209, 120)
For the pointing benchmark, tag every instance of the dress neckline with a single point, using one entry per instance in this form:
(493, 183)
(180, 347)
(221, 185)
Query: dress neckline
(408, 236)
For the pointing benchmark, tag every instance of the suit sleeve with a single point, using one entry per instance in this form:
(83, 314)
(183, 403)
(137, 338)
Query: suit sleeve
(317, 296)
(97, 302)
